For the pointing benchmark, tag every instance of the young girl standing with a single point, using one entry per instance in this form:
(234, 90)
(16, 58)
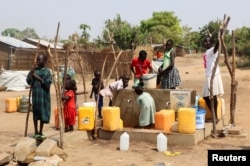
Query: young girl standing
(69, 105)
(170, 77)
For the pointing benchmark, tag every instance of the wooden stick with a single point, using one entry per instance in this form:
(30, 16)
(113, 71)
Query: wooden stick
(61, 117)
(234, 85)
(111, 71)
(113, 49)
(93, 134)
(57, 88)
(62, 88)
(220, 40)
(79, 59)
(29, 107)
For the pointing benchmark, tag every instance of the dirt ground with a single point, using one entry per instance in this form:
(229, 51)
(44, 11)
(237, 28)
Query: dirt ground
(103, 152)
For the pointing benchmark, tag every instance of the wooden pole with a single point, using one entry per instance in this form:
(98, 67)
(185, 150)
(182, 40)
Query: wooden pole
(234, 85)
(57, 87)
(113, 49)
(223, 27)
(93, 132)
(111, 71)
(29, 107)
(79, 60)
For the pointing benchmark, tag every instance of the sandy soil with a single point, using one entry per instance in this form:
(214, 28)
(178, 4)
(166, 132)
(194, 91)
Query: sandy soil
(103, 152)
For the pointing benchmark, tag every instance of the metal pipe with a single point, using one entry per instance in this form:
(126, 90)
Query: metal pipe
(129, 101)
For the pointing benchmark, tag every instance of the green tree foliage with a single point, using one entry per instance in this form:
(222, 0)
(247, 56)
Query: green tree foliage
(29, 33)
(242, 41)
(11, 32)
(190, 38)
(84, 38)
(162, 25)
(210, 29)
(117, 31)
(15, 33)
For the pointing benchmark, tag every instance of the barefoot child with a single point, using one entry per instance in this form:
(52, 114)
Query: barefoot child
(69, 106)
(40, 79)
(96, 83)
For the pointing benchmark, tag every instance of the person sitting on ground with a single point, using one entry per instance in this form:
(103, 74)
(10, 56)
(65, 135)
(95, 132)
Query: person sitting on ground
(147, 108)
(117, 85)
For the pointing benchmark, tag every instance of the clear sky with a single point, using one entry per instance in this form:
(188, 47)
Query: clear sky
(44, 15)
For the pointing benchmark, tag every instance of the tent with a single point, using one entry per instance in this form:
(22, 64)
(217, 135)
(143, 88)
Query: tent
(14, 80)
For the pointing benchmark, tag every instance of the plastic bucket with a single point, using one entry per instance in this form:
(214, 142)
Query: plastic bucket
(200, 119)
(149, 81)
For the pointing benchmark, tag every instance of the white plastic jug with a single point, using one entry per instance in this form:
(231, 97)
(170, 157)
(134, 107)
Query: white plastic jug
(161, 142)
(124, 141)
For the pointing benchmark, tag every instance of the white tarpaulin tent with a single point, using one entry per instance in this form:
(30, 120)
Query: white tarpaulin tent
(13, 80)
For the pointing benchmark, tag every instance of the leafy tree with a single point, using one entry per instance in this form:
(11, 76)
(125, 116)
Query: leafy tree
(190, 38)
(242, 40)
(11, 32)
(162, 25)
(210, 29)
(29, 33)
(119, 32)
(15, 33)
(85, 35)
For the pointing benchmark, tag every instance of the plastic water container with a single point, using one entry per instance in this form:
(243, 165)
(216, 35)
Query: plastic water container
(11, 104)
(200, 119)
(124, 141)
(164, 120)
(121, 124)
(89, 104)
(186, 120)
(161, 142)
(202, 104)
(223, 109)
(56, 118)
(111, 118)
(149, 81)
(24, 104)
(86, 116)
(18, 102)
